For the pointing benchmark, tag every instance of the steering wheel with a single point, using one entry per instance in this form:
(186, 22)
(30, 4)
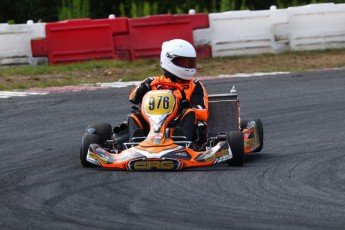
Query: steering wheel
(172, 86)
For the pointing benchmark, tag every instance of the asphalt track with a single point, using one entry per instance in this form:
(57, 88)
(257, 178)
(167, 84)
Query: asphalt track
(296, 182)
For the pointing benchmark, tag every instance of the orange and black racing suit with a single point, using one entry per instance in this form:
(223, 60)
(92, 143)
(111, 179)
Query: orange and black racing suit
(196, 108)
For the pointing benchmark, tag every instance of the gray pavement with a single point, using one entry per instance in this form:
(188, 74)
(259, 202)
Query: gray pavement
(296, 182)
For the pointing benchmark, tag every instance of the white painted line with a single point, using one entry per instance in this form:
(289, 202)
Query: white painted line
(120, 84)
(9, 94)
(259, 74)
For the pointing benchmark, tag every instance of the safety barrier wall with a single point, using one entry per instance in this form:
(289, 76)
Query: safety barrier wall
(78, 40)
(116, 38)
(316, 26)
(146, 35)
(244, 32)
(319, 26)
(15, 47)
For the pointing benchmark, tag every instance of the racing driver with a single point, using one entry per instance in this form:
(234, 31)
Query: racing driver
(178, 62)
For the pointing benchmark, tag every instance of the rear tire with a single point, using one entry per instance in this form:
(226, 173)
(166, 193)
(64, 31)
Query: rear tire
(86, 141)
(235, 141)
(260, 128)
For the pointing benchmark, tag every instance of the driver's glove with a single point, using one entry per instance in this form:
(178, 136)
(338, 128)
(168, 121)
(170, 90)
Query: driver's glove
(144, 86)
(141, 90)
(184, 104)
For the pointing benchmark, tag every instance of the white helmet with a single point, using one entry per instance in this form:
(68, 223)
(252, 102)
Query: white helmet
(179, 58)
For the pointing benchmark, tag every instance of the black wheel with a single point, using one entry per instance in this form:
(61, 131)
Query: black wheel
(244, 122)
(86, 140)
(102, 130)
(260, 128)
(235, 140)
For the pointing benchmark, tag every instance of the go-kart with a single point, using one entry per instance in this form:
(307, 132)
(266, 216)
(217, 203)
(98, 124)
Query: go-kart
(225, 138)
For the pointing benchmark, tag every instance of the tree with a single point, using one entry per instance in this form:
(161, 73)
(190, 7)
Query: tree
(21, 11)
(72, 9)
(53, 10)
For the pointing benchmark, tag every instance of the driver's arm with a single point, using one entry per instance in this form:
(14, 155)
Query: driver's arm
(138, 92)
(199, 101)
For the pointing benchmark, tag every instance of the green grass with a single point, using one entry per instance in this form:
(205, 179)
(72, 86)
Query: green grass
(24, 77)
(51, 69)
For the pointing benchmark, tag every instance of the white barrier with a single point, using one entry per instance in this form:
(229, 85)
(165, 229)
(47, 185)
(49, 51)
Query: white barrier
(244, 32)
(15, 42)
(316, 26)
(319, 26)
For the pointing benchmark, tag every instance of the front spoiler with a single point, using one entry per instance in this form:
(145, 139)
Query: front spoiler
(174, 157)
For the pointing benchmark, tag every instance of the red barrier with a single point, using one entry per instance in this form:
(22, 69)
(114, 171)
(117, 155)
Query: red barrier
(119, 38)
(78, 40)
(147, 34)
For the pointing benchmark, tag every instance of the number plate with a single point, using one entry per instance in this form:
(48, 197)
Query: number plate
(158, 102)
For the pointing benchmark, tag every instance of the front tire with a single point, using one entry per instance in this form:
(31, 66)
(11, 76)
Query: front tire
(86, 141)
(236, 143)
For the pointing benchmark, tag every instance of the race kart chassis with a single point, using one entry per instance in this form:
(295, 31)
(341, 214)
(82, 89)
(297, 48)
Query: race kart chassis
(228, 140)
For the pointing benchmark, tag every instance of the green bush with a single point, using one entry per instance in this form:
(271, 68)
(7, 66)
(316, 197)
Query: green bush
(72, 9)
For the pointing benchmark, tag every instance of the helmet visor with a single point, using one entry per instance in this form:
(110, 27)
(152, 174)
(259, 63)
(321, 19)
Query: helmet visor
(185, 62)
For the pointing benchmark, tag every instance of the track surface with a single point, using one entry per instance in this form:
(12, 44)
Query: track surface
(296, 182)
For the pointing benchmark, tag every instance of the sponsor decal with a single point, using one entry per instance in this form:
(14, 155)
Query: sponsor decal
(180, 154)
(251, 143)
(219, 156)
(92, 158)
(248, 143)
(154, 165)
(102, 156)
